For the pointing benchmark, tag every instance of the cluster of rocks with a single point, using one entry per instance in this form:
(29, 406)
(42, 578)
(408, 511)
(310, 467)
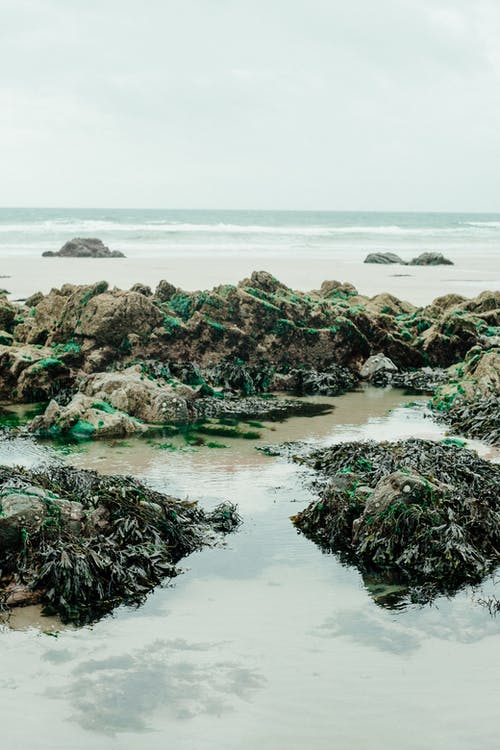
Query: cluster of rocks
(84, 247)
(82, 543)
(416, 512)
(424, 259)
(116, 362)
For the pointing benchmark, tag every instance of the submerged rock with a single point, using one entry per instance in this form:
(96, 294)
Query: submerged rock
(416, 511)
(83, 543)
(84, 247)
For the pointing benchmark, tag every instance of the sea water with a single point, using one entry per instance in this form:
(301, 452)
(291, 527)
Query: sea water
(201, 233)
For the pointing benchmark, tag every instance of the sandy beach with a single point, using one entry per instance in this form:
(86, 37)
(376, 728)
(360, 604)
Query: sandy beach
(419, 285)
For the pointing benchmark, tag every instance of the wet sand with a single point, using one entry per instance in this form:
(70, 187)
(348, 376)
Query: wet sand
(419, 285)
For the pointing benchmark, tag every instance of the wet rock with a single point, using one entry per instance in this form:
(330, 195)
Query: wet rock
(254, 407)
(431, 259)
(26, 508)
(8, 313)
(469, 402)
(264, 281)
(377, 363)
(84, 543)
(383, 258)
(84, 247)
(142, 289)
(164, 291)
(150, 400)
(424, 380)
(34, 299)
(6, 339)
(30, 373)
(308, 381)
(429, 512)
(340, 289)
(85, 418)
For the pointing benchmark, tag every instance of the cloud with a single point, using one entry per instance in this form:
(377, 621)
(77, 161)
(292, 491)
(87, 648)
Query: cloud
(232, 103)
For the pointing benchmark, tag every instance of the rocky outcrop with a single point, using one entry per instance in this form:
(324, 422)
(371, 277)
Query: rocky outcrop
(229, 341)
(30, 373)
(83, 543)
(470, 400)
(430, 259)
(84, 247)
(84, 418)
(416, 512)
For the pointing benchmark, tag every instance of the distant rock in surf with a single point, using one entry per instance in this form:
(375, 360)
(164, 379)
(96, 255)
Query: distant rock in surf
(384, 258)
(431, 259)
(84, 247)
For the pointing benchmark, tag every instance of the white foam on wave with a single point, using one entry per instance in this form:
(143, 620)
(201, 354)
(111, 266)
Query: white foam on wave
(85, 226)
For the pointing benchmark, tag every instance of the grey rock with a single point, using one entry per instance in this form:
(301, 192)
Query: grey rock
(165, 290)
(375, 364)
(383, 258)
(84, 247)
(26, 508)
(431, 259)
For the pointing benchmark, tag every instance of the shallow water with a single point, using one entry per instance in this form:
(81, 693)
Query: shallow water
(264, 642)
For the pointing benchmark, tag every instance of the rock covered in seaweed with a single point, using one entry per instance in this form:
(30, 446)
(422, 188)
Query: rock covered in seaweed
(416, 511)
(84, 543)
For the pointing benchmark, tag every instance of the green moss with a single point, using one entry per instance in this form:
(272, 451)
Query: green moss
(47, 363)
(214, 324)
(82, 430)
(104, 406)
(181, 304)
(284, 326)
(69, 347)
(170, 323)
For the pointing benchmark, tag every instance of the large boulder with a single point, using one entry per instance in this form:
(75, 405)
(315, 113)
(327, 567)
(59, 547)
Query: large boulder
(25, 508)
(376, 364)
(84, 247)
(431, 259)
(85, 418)
(31, 373)
(133, 392)
(383, 258)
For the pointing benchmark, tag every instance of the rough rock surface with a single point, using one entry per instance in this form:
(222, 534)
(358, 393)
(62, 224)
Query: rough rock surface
(84, 247)
(83, 543)
(383, 258)
(417, 512)
(377, 363)
(231, 341)
(431, 259)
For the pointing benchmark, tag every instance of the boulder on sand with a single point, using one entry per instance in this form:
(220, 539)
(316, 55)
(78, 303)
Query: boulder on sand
(84, 247)
(431, 259)
(383, 258)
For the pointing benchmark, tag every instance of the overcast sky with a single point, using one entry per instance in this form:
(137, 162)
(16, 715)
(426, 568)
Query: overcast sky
(332, 104)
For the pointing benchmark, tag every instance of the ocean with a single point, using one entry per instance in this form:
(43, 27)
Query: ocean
(239, 234)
